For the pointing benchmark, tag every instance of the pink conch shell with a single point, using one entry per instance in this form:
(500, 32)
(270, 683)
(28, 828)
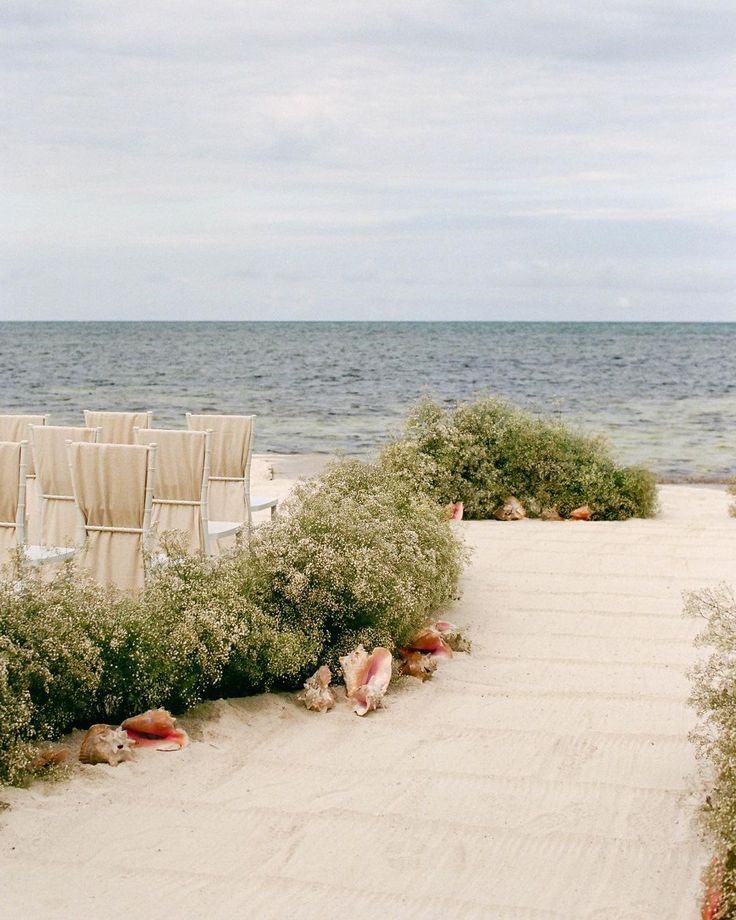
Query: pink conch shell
(419, 665)
(453, 636)
(353, 668)
(583, 513)
(156, 729)
(711, 908)
(427, 640)
(317, 694)
(455, 511)
(105, 744)
(366, 677)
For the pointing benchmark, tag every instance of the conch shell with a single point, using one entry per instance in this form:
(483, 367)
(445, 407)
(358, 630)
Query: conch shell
(583, 513)
(453, 636)
(366, 677)
(455, 511)
(510, 510)
(105, 744)
(428, 640)
(419, 665)
(155, 728)
(317, 694)
(51, 756)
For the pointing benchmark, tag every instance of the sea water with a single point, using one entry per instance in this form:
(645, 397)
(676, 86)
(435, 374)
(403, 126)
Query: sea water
(663, 393)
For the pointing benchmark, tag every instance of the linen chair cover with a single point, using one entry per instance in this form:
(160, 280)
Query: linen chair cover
(10, 452)
(110, 485)
(59, 515)
(180, 478)
(117, 427)
(231, 444)
(17, 428)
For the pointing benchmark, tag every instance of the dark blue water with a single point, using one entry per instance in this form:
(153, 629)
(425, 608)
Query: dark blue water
(664, 393)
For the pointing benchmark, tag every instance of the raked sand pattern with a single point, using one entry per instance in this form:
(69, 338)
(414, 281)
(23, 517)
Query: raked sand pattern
(547, 776)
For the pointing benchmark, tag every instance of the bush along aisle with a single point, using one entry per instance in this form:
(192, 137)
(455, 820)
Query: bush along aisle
(488, 455)
(714, 699)
(356, 555)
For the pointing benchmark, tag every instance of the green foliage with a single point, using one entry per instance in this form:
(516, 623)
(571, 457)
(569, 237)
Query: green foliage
(482, 452)
(355, 555)
(714, 699)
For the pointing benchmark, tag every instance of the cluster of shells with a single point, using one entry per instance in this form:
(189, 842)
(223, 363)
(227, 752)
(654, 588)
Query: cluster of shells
(115, 744)
(367, 676)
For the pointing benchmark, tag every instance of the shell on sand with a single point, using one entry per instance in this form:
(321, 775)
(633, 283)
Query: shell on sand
(375, 681)
(105, 744)
(317, 694)
(51, 756)
(583, 513)
(155, 728)
(353, 668)
(429, 640)
(420, 665)
(510, 510)
(453, 636)
(366, 677)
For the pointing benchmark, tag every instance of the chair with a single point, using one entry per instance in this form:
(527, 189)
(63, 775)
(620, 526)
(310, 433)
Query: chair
(117, 427)
(58, 524)
(13, 470)
(17, 428)
(180, 496)
(232, 452)
(113, 489)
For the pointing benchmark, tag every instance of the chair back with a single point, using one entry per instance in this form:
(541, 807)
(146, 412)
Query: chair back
(12, 496)
(181, 487)
(230, 460)
(117, 427)
(113, 488)
(54, 482)
(17, 428)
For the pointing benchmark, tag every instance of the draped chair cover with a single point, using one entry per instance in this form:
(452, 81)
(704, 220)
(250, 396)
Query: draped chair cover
(231, 447)
(17, 428)
(110, 483)
(59, 516)
(9, 488)
(177, 492)
(117, 427)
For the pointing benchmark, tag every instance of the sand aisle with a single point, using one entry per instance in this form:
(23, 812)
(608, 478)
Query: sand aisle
(545, 776)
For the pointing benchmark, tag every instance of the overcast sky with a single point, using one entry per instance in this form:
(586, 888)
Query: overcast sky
(475, 159)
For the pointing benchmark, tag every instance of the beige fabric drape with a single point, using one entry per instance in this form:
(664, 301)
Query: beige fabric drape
(54, 482)
(9, 483)
(231, 444)
(117, 427)
(17, 428)
(109, 484)
(180, 459)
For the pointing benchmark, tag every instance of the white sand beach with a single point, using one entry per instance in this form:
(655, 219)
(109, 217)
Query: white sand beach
(546, 776)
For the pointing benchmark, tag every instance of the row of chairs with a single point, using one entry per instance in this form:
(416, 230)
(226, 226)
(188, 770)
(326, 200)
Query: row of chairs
(109, 483)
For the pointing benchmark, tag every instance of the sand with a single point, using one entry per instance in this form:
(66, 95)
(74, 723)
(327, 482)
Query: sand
(547, 775)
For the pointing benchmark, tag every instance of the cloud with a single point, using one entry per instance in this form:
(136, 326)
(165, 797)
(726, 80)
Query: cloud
(344, 160)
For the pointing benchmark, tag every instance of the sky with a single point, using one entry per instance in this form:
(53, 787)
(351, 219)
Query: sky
(475, 159)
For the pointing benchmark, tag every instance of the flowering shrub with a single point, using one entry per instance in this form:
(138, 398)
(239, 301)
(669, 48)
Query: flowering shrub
(355, 555)
(714, 698)
(480, 453)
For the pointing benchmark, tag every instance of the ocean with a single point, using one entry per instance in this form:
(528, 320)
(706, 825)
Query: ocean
(663, 393)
